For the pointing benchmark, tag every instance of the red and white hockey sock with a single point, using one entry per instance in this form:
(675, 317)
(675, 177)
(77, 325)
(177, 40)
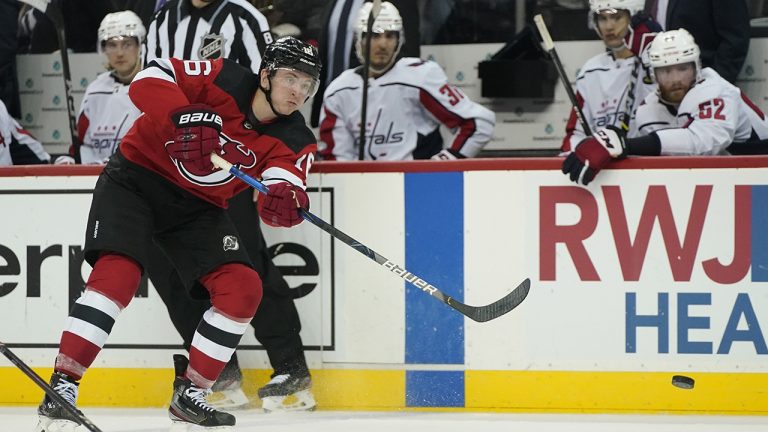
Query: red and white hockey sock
(89, 323)
(236, 292)
(212, 347)
(110, 288)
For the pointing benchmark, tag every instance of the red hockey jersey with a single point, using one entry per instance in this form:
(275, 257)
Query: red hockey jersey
(280, 150)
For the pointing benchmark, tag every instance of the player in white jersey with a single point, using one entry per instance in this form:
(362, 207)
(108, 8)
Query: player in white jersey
(693, 112)
(408, 99)
(17, 146)
(106, 112)
(610, 85)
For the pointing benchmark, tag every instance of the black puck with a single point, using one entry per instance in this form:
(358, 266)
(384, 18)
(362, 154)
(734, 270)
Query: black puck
(683, 382)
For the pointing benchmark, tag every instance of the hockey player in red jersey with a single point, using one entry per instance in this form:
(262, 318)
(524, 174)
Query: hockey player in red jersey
(161, 187)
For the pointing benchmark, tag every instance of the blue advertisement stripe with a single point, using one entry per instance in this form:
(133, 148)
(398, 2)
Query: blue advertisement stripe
(759, 233)
(434, 250)
(434, 388)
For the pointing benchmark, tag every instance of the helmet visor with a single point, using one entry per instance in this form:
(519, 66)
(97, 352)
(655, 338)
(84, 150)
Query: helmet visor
(300, 82)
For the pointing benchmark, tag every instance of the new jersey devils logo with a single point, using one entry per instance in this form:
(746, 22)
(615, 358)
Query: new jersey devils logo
(234, 152)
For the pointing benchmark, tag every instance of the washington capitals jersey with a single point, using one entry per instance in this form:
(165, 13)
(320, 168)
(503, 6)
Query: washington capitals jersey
(232, 29)
(407, 103)
(281, 150)
(17, 146)
(603, 93)
(712, 115)
(106, 114)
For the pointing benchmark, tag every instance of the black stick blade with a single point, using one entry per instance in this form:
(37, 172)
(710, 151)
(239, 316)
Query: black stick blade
(497, 308)
(31, 374)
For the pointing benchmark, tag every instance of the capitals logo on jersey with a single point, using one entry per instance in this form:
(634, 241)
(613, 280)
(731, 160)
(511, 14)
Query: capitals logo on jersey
(376, 137)
(234, 152)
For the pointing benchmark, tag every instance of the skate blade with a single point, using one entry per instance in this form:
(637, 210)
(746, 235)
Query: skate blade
(299, 401)
(182, 426)
(228, 400)
(46, 424)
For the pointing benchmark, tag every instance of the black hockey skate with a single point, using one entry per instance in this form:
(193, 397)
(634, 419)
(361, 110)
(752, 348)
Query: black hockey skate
(54, 418)
(189, 407)
(275, 395)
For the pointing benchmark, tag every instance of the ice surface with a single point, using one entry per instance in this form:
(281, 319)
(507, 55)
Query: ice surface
(156, 420)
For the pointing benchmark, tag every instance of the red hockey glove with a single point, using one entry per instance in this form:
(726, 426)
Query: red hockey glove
(280, 208)
(593, 154)
(642, 30)
(196, 136)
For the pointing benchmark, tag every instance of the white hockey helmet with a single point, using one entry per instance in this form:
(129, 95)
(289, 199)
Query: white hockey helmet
(612, 7)
(121, 24)
(388, 20)
(633, 6)
(673, 47)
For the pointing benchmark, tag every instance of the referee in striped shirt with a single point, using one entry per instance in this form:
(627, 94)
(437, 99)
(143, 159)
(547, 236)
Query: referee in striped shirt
(233, 29)
(209, 29)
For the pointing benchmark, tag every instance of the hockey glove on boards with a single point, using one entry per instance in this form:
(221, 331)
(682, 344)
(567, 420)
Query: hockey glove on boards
(448, 154)
(280, 207)
(593, 154)
(196, 136)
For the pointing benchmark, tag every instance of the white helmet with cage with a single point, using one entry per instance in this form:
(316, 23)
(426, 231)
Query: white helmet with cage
(121, 24)
(612, 6)
(672, 48)
(388, 20)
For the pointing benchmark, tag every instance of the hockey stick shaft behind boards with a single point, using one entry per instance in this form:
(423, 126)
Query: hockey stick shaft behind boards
(549, 47)
(375, 9)
(47, 388)
(52, 9)
(477, 313)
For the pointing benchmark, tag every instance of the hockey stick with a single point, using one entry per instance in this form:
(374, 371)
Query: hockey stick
(549, 46)
(19, 363)
(52, 9)
(477, 313)
(375, 9)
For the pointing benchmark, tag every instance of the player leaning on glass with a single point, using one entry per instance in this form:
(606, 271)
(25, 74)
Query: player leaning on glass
(160, 187)
(694, 111)
(611, 85)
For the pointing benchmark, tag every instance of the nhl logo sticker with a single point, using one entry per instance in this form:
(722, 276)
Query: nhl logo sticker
(230, 243)
(212, 46)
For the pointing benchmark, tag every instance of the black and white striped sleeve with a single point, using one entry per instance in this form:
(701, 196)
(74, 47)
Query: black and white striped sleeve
(252, 29)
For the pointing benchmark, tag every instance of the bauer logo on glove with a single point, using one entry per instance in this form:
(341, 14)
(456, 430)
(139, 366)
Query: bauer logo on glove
(195, 138)
(197, 118)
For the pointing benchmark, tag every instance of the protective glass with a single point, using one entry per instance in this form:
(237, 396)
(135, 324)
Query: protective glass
(300, 82)
(115, 45)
